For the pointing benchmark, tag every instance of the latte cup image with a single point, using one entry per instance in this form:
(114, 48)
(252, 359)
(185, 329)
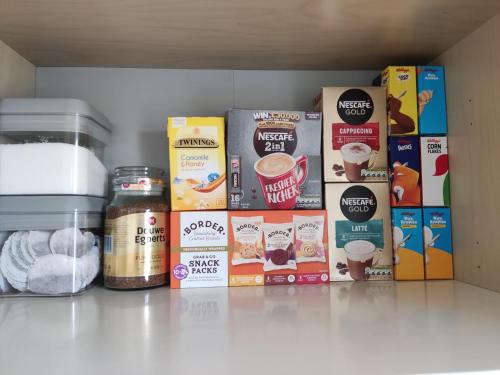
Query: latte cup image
(357, 157)
(360, 254)
(280, 176)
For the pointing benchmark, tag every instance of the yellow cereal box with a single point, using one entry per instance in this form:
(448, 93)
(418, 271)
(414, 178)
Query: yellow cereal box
(401, 83)
(197, 163)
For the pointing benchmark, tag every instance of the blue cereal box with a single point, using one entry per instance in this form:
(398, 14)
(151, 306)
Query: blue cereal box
(437, 243)
(408, 243)
(431, 100)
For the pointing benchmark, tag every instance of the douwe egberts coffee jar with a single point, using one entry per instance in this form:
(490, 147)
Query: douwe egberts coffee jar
(136, 241)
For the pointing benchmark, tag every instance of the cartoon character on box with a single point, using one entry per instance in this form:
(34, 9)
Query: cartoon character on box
(405, 188)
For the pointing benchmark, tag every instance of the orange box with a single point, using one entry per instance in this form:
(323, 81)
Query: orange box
(278, 247)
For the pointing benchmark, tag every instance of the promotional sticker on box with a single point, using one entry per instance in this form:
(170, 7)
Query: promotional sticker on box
(199, 243)
(359, 231)
(408, 243)
(354, 134)
(438, 243)
(278, 247)
(435, 176)
(404, 166)
(401, 83)
(431, 100)
(197, 163)
(274, 160)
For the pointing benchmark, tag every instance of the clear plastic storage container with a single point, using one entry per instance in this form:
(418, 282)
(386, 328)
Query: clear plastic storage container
(52, 146)
(49, 245)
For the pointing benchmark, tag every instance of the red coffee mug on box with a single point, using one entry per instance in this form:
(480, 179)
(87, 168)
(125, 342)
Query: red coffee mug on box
(280, 176)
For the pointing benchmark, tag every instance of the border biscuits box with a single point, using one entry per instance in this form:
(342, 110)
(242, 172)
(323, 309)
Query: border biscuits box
(438, 243)
(435, 175)
(274, 160)
(354, 134)
(404, 167)
(278, 247)
(199, 242)
(360, 231)
(408, 243)
(197, 163)
(401, 83)
(431, 100)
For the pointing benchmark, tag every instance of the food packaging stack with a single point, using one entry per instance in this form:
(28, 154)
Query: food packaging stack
(53, 189)
(419, 179)
(274, 231)
(355, 176)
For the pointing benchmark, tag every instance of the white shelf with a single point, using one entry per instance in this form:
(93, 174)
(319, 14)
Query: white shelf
(345, 328)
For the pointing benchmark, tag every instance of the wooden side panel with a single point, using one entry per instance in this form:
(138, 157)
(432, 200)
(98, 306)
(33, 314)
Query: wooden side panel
(17, 75)
(472, 70)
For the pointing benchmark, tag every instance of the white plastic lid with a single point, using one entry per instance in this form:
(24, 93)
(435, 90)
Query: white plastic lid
(63, 107)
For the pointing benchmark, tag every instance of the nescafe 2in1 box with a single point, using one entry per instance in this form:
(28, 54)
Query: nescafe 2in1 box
(274, 160)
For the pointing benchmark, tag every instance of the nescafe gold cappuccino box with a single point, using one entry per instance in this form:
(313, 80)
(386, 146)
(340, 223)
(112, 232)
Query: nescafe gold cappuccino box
(354, 134)
(274, 160)
(359, 228)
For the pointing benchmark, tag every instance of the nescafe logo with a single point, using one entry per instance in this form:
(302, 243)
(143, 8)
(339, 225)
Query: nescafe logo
(358, 204)
(355, 107)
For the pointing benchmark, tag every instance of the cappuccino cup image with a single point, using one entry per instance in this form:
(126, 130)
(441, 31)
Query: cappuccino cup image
(360, 254)
(280, 176)
(357, 157)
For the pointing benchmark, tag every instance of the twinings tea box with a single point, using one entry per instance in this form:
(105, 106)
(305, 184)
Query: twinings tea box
(274, 160)
(435, 176)
(408, 243)
(198, 255)
(401, 83)
(354, 134)
(359, 228)
(197, 163)
(278, 247)
(431, 100)
(437, 242)
(404, 167)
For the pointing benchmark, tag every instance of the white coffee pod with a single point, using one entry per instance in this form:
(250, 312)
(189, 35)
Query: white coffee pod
(89, 265)
(71, 241)
(55, 274)
(38, 242)
(15, 274)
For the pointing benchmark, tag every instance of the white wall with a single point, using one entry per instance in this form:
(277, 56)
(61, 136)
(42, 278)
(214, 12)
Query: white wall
(138, 101)
(17, 75)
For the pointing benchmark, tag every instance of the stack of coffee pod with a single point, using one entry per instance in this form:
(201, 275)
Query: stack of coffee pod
(52, 197)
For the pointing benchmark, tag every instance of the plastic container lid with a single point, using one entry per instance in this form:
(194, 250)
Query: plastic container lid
(50, 212)
(51, 115)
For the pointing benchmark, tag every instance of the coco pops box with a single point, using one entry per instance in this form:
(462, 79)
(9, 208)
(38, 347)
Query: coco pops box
(401, 83)
(278, 247)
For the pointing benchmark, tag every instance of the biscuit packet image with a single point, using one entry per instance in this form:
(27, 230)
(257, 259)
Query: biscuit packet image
(248, 247)
(280, 252)
(309, 246)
